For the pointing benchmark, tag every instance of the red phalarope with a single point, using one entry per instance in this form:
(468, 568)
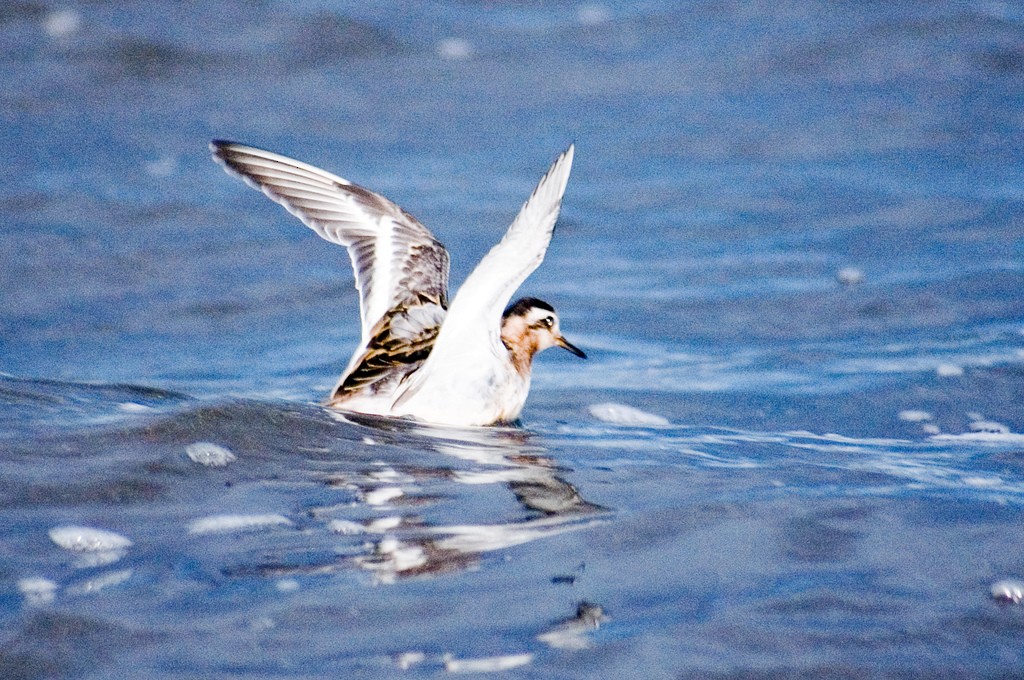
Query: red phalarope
(464, 365)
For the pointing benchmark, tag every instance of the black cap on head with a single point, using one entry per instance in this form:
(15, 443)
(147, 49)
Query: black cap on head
(523, 305)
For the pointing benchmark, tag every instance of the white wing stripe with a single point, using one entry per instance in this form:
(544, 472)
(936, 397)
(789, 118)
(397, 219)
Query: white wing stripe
(305, 192)
(385, 256)
(264, 159)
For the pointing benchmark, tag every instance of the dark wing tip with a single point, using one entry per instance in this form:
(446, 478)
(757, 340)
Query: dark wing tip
(226, 152)
(218, 146)
(228, 155)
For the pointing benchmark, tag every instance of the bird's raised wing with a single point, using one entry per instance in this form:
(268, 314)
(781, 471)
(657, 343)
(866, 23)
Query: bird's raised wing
(488, 289)
(470, 339)
(397, 261)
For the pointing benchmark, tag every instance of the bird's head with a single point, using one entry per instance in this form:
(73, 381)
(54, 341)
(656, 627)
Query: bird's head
(529, 326)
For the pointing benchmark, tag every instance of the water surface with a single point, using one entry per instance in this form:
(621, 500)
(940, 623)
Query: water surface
(791, 246)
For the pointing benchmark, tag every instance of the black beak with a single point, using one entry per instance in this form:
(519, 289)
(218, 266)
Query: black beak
(565, 344)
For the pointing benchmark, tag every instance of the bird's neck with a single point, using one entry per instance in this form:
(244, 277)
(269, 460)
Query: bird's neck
(521, 348)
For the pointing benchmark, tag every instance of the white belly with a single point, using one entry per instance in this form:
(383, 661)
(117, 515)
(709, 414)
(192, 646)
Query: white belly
(470, 395)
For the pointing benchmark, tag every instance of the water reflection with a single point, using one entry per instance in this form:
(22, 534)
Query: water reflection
(404, 517)
(267, 499)
(573, 632)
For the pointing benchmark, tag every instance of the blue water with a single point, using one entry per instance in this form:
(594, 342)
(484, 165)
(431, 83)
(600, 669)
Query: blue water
(792, 242)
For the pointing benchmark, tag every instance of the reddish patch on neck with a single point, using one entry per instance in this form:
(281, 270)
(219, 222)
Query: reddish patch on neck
(521, 350)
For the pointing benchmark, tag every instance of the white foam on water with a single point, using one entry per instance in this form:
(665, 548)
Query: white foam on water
(1008, 591)
(87, 539)
(392, 557)
(383, 525)
(593, 14)
(62, 23)
(210, 454)
(490, 664)
(989, 426)
(345, 527)
(220, 524)
(407, 660)
(288, 585)
(850, 276)
(98, 583)
(621, 414)
(383, 495)
(949, 370)
(37, 590)
(988, 437)
(132, 407)
(480, 538)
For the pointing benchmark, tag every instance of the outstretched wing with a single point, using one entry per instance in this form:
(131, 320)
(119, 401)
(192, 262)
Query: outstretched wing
(472, 326)
(488, 289)
(398, 263)
(490, 286)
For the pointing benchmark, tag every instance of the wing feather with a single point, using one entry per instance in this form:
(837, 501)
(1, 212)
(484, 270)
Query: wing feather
(390, 250)
(490, 286)
(471, 333)
(482, 298)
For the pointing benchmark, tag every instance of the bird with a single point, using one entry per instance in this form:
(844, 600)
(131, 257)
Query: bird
(464, 364)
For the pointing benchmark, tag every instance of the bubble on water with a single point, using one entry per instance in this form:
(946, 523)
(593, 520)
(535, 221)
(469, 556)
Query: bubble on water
(210, 454)
(949, 370)
(850, 276)
(62, 23)
(454, 48)
(931, 428)
(94, 547)
(1008, 591)
(620, 414)
(37, 590)
(591, 15)
(915, 416)
(219, 524)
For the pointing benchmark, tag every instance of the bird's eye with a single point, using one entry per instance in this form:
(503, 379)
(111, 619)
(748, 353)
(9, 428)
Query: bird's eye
(548, 321)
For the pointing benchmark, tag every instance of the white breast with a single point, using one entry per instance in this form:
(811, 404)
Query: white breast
(481, 390)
